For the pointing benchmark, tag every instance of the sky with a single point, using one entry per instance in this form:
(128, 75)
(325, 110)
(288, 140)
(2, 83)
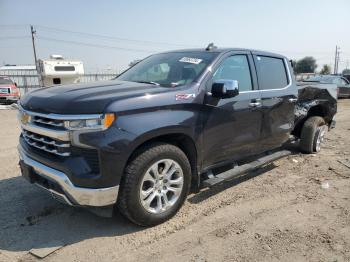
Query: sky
(107, 35)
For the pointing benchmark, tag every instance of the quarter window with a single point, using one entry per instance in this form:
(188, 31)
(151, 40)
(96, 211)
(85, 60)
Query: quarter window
(235, 68)
(271, 72)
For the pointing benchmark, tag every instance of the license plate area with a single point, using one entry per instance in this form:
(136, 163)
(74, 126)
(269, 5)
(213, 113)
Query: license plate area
(4, 90)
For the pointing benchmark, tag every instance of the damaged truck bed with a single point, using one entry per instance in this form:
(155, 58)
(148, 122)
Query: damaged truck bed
(315, 100)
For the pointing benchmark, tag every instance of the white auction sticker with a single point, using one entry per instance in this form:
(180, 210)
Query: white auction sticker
(191, 60)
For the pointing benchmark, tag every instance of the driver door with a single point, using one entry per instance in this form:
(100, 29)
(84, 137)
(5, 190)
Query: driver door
(231, 126)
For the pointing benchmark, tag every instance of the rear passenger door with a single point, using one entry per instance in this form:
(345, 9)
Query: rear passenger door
(278, 98)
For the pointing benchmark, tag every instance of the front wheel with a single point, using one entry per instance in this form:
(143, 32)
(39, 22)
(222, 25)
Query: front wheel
(155, 184)
(312, 134)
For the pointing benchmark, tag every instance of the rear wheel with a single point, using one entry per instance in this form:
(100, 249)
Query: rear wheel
(155, 185)
(312, 134)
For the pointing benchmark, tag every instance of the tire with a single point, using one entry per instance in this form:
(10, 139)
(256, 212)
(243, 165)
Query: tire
(312, 134)
(140, 177)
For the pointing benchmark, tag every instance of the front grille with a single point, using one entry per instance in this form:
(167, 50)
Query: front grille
(47, 144)
(49, 134)
(48, 122)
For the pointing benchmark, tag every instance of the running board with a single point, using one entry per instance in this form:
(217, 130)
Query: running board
(240, 170)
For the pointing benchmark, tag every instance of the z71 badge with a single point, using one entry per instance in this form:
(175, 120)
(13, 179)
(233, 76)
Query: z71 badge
(184, 96)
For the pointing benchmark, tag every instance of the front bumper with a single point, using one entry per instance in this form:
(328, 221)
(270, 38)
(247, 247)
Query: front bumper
(61, 187)
(9, 98)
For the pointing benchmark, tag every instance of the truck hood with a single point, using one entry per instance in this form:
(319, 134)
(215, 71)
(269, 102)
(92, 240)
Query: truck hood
(90, 98)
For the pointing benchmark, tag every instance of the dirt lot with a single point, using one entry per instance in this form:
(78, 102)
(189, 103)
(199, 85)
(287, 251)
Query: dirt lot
(284, 212)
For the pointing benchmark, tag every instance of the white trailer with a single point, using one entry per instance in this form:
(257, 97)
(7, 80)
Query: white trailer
(59, 71)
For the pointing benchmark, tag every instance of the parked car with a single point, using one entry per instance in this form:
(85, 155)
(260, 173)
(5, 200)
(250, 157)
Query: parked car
(174, 122)
(9, 92)
(342, 83)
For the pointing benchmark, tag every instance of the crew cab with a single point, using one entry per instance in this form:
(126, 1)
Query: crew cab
(169, 125)
(9, 92)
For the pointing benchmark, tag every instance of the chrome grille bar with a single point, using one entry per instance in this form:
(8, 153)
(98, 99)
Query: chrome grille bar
(45, 147)
(56, 134)
(49, 122)
(44, 140)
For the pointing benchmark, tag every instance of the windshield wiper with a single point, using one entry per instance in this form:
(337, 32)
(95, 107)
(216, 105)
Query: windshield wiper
(148, 82)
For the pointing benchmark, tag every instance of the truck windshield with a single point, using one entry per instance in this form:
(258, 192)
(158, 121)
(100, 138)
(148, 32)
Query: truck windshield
(169, 69)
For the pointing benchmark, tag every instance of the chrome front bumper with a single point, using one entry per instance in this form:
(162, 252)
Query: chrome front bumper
(72, 195)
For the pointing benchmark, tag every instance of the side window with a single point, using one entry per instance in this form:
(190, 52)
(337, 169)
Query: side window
(235, 68)
(271, 72)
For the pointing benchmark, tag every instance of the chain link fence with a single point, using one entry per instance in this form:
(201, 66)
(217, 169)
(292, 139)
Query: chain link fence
(28, 80)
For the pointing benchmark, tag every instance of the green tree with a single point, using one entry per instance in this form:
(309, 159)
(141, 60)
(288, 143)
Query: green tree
(346, 72)
(306, 65)
(326, 70)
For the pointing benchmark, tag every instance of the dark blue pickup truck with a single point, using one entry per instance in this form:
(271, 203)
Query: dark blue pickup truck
(171, 124)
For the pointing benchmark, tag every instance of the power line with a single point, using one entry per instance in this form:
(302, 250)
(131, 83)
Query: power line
(13, 37)
(46, 28)
(95, 45)
(13, 26)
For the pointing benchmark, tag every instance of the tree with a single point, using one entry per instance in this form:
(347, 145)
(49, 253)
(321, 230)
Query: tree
(306, 65)
(326, 70)
(346, 72)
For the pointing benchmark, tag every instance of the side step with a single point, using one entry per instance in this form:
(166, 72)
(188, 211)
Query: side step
(240, 170)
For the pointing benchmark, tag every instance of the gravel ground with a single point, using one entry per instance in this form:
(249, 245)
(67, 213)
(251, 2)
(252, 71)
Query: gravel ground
(296, 209)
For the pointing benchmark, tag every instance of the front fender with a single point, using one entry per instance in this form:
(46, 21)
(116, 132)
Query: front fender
(148, 125)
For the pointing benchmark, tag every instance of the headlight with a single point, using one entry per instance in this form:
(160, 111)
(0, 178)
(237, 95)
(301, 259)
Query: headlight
(91, 124)
(23, 118)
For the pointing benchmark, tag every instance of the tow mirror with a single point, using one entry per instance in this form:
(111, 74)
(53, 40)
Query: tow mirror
(224, 88)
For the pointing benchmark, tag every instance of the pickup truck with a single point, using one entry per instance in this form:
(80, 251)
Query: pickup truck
(341, 82)
(9, 92)
(171, 124)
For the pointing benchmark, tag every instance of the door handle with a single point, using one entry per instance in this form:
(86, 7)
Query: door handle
(292, 100)
(254, 104)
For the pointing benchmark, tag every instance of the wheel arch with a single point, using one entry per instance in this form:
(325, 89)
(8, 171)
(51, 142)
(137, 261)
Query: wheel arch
(180, 139)
(320, 110)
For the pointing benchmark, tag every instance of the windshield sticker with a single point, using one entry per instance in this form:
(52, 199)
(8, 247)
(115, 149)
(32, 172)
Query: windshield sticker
(190, 60)
(184, 96)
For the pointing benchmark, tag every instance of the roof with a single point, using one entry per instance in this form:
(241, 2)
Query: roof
(225, 50)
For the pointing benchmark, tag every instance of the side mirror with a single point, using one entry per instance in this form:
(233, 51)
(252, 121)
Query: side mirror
(224, 88)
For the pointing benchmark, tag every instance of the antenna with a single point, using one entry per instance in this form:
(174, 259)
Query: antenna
(210, 47)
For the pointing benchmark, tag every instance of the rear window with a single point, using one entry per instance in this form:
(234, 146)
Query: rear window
(272, 72)
(64, 68)
(4, 81)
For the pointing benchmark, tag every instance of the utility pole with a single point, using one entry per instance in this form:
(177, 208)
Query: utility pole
(33, 32)
(336, 59)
